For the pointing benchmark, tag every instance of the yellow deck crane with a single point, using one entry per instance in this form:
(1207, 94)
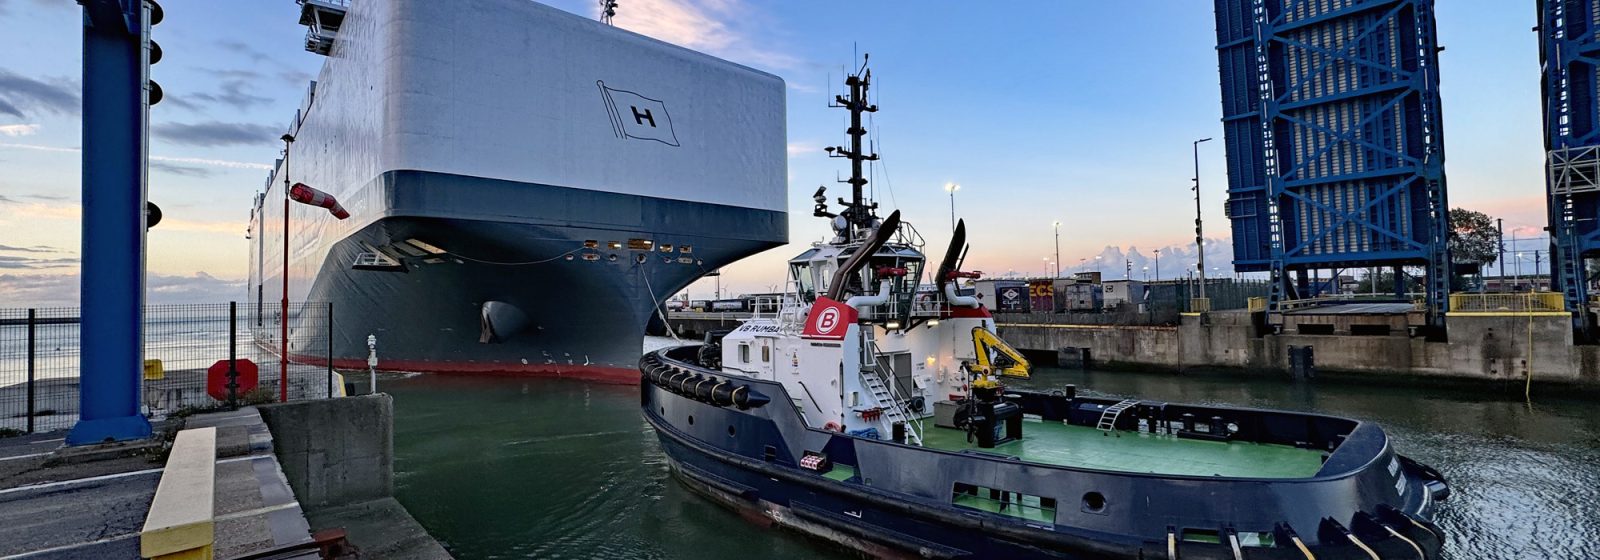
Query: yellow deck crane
(994, 355)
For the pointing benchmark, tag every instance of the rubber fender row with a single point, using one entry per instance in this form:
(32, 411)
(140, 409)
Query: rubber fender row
(699, 384)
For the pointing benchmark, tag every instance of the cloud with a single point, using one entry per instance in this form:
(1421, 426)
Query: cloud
(244, 49)
(61, 289)
(15, 262)
(168, 159)
(232, 94)
(214, 162)
(702, 25)
(803, 148)
(33, 249)
(7, 200)
(296, 77)
(178, 224)
(214, 133)
(38, 148)
(14, 130)
(20, 93)
(180, 170)
(199, 288)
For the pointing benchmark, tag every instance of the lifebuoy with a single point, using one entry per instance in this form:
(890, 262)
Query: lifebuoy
(833, 427)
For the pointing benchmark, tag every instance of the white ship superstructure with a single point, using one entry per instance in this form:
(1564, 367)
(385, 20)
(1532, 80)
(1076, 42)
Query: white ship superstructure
(525, 185)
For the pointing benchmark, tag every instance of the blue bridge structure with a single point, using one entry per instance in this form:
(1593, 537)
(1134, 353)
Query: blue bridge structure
(1334, 141)
(1570, 58)
(117, 95)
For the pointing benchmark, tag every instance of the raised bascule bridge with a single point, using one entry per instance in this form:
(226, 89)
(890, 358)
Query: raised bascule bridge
(1334, 146)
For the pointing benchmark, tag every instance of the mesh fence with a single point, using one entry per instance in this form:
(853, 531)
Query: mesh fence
(40, 357)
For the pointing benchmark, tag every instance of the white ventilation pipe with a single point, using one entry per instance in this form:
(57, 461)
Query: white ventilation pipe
(958, 300)
(859, 302)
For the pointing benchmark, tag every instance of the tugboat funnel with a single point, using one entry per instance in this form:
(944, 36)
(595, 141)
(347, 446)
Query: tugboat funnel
(500, 321)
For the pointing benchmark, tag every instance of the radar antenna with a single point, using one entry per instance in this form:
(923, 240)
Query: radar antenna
(859, 213)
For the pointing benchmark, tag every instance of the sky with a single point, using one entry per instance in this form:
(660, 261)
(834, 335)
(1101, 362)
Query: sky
(1073, 111)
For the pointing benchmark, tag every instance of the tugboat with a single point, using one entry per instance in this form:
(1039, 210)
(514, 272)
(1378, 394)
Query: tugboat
(870, 411)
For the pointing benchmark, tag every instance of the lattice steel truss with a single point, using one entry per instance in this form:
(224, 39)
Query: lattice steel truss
(1334, 141)
(1570, 56)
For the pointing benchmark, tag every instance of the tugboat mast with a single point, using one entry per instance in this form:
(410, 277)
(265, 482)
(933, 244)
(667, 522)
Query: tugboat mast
(859, 214)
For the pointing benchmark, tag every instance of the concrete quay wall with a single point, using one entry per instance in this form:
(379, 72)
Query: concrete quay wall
(1478, 347)
(335, 451)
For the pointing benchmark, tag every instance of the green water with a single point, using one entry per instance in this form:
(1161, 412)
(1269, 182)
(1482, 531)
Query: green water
(522, 468)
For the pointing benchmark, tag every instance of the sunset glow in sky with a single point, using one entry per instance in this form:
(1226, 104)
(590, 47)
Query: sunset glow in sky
(1081, 112)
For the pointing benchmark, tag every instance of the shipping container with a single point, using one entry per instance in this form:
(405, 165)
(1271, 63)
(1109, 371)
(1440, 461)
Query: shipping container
(1085, 298)
(1042, 296)
(1011, 296)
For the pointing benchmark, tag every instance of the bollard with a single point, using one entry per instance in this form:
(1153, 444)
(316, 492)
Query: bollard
(372, 364)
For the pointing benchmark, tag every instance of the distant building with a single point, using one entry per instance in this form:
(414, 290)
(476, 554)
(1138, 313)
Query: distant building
(1118, 292)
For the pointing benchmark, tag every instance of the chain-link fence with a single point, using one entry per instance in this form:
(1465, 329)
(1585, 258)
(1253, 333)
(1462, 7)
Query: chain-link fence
(40, 357)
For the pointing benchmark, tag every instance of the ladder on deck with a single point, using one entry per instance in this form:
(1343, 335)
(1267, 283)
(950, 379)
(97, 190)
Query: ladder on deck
(1108, 419)
(873, 378)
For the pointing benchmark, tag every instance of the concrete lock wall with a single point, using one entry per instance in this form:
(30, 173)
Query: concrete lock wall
(335, 451)
(1478, 347)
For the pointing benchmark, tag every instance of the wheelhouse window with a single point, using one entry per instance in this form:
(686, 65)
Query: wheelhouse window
(804, 276)
(744, 352)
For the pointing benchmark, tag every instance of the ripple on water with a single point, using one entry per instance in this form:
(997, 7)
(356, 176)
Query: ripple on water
(516, 468)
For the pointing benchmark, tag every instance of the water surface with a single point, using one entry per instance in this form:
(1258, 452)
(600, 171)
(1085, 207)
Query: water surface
(499, 467)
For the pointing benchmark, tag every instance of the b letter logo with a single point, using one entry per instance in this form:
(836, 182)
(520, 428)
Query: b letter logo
(827, 320)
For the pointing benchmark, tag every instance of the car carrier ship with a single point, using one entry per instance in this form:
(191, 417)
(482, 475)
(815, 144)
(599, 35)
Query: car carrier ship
(524, 186)
(867, 414)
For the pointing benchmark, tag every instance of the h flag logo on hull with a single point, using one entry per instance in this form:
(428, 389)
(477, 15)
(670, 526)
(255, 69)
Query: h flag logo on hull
(638, 117)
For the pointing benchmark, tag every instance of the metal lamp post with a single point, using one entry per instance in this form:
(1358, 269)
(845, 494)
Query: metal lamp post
(283, 319)
(1158, 265)
(952, 188)
(1199, 239)
(1056, 225)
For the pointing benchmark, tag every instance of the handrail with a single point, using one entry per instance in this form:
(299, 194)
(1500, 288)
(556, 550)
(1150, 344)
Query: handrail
(1508, 304)
(913, 424)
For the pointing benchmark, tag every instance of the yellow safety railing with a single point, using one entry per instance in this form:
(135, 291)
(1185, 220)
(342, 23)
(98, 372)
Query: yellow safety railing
(1200, 305)
(1508, 304)
(1256, 304)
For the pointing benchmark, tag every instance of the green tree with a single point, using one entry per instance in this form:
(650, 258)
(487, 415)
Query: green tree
(1474, 238)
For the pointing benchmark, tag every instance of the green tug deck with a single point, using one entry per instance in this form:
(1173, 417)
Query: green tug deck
(1057, 443)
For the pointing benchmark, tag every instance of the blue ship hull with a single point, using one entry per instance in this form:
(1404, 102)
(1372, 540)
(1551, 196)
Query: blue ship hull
(897, 501)
(572, 288)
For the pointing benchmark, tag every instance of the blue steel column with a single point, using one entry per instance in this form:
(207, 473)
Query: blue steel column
(112, 290)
